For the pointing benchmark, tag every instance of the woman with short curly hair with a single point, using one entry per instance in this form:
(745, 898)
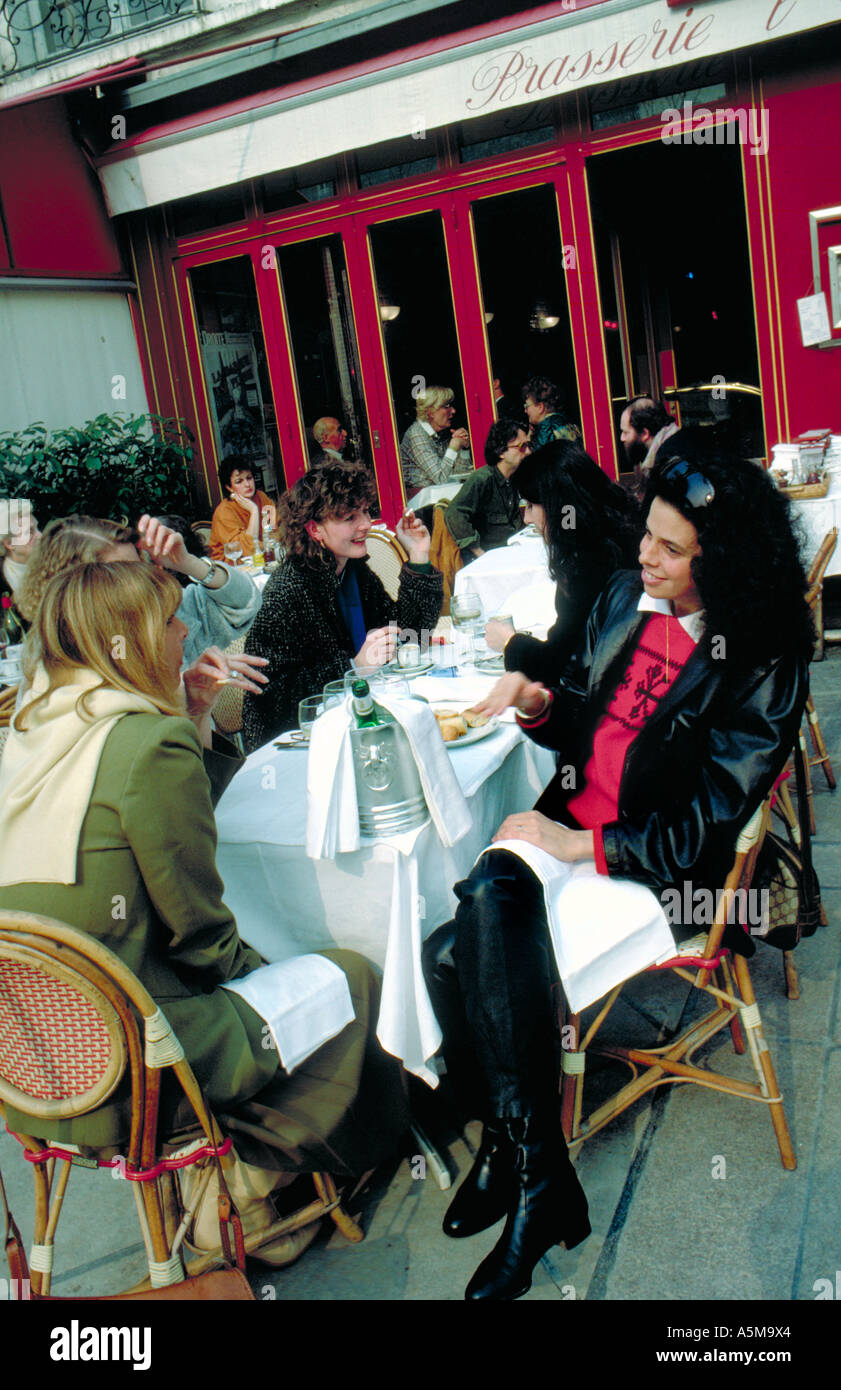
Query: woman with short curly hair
(323, 608)
(542, 405)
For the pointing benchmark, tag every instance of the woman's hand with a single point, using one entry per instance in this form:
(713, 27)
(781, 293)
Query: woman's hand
(497, 633)
(513, 689)
(557, 840)
(165, 546)
(379, 646)
(412, 533)
(459, 439)
(205, 680)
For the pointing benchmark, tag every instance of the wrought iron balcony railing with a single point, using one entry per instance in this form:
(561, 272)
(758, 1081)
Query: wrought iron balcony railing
(36, 33)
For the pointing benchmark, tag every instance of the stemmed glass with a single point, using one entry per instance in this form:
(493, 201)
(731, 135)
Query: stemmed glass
(233, 552)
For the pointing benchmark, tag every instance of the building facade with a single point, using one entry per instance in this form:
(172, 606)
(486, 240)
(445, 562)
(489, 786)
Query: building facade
(258, 216)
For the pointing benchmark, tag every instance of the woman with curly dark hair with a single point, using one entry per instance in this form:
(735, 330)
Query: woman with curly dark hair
(591, 529)
(691, 691)
(323, 608)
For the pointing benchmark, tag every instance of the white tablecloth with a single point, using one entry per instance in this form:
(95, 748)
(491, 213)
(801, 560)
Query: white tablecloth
(437, 492)
(817, 515)
(499, 573)
(383, 899)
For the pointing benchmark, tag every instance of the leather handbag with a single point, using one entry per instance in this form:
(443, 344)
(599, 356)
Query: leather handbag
(785, 872)
(228, 1284)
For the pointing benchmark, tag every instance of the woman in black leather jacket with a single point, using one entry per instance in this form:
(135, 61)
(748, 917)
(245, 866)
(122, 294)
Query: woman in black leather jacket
(689, 694)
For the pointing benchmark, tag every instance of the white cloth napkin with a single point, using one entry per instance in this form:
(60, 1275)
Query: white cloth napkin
(332, 808)
(603, 930)
(305, 1002)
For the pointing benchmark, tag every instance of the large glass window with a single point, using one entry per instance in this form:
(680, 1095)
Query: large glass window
(323, 340)
(235, 368)
(521, 268)
(416, 310)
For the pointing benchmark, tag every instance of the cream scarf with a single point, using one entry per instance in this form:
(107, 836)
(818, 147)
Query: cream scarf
(47, 774)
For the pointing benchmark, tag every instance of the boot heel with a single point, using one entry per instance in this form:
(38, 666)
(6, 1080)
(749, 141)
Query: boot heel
(575, 1233)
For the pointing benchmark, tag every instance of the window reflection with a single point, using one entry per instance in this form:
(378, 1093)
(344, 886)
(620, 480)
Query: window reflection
(235, 368)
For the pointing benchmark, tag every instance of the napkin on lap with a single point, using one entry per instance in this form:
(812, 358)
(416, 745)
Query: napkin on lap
(305, 1002)
(332, 807)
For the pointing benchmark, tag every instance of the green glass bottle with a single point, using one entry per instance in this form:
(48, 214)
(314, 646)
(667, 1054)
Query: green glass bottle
(11, 632)
(364, 709)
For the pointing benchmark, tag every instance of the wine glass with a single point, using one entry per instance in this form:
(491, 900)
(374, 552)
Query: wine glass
(233, 552)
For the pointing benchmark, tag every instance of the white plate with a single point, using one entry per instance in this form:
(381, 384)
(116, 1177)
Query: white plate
(395, 669)
(292, 739)
(493, 664)
(474, 735)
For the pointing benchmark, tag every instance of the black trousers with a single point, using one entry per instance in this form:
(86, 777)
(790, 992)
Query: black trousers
(489, 974)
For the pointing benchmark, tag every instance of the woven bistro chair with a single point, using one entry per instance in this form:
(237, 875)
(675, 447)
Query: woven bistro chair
(814, 598)
(705, 963)
(227, 712)
(386, 557)
(75, 1024)
(202, 529)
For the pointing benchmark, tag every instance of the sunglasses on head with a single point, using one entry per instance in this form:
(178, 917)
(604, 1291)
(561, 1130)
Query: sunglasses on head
(698, 491)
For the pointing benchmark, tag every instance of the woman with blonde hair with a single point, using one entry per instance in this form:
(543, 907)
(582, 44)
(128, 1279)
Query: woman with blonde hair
(106, 824)
(218, 604)
(430, 451)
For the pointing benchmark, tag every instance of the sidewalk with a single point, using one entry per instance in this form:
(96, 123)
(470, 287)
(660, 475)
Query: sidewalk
(688, 1199)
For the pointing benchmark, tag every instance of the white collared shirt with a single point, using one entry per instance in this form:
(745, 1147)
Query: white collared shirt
(692, 623)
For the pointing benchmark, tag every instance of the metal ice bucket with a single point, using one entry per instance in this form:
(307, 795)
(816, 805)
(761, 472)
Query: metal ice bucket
(388, 787)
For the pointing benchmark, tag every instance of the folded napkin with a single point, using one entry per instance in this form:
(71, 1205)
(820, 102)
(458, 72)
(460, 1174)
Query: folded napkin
(305, 1002)
(603, 930)
(332, 808)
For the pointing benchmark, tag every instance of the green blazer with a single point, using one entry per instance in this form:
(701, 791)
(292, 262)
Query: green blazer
(149, 890)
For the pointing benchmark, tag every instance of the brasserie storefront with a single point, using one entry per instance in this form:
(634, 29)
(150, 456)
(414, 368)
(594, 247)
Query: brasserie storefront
(620, 199)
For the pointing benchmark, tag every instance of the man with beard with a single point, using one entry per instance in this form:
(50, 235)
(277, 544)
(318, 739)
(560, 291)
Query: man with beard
(645, 424)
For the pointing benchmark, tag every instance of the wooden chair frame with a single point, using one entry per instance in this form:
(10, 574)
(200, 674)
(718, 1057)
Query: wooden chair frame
(728, 984)
(149, 1044)
(814, 598)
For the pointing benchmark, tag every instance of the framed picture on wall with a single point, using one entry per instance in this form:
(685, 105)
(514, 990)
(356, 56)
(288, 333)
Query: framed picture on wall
(825, 226)
(230, 365)
(834, 258)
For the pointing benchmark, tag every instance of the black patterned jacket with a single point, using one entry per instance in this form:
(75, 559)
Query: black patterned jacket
(301, 631)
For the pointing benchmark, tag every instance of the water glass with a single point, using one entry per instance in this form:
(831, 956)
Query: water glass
(308, 711)
(233, 552)
(334, 693)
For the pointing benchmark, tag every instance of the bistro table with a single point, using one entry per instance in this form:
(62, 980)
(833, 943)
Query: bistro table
(384, 898)
(499, 573)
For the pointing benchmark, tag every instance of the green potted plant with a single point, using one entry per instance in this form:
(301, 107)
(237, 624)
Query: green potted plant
(114, 466)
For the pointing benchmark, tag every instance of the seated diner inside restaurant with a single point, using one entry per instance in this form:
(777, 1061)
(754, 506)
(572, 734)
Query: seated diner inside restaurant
(106, 824)
(683, 709)
(243, 515)
(323, 608)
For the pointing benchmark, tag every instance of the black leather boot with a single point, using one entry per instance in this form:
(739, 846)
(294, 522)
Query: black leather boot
(488, 1190)
(549, 1208)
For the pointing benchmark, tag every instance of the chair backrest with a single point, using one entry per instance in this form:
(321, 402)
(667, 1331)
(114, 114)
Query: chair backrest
(227, 712)
(73, 1017)
(202, 530)
(62, 1049)
(444, 553)
(819, 565)
(386, 557)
